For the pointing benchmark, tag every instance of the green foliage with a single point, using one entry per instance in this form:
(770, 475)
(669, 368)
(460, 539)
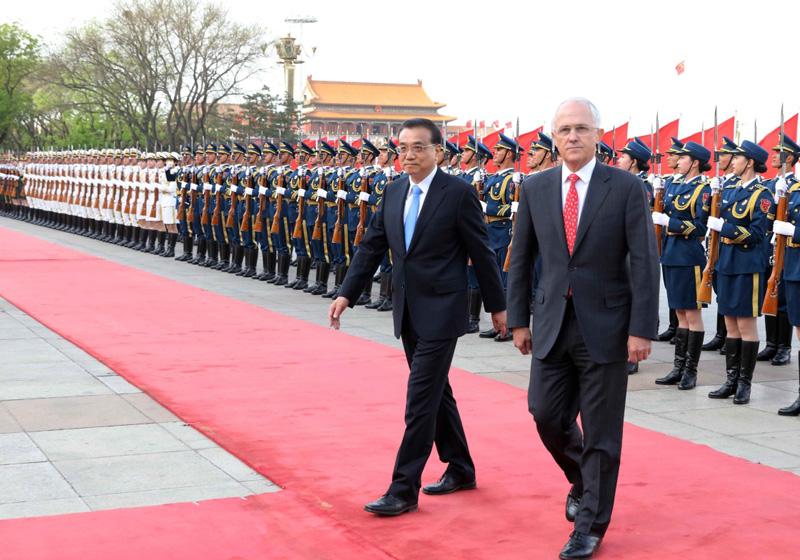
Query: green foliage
(19, 59)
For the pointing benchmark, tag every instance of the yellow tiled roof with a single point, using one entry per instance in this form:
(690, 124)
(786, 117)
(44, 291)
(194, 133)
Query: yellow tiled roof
(374, 116)
(361, 93)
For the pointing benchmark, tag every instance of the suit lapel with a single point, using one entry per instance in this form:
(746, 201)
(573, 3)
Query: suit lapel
(433, 198)
(595, 195)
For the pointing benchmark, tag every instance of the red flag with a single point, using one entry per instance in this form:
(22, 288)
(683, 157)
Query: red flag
(496, 124)
(681, 67)
(707, 138)
(525, 144)
(509, 124)
(619, 139)
(461, 138)
(356, 143)
(469, 124)
(773, 139)
(482, 124)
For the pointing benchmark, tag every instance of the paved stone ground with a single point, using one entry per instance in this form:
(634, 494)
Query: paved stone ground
(754, 431)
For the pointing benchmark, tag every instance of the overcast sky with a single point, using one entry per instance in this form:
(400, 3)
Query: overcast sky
(511, 59)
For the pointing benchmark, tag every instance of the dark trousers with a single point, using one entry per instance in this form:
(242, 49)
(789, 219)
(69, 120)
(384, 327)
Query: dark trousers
(568, 382)
(431, 415)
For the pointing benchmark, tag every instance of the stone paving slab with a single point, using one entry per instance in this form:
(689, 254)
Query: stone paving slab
(110, 441)
(24, 482)
(74, 412)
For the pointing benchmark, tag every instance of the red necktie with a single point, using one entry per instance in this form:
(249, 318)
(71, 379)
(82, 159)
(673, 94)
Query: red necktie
(571, 212)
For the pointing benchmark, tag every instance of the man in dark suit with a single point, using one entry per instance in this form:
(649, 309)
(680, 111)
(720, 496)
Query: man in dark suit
(595, 307)
(433, 223)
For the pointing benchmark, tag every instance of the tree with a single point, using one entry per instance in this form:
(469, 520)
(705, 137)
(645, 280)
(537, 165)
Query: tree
(19, 59)
(161, 67)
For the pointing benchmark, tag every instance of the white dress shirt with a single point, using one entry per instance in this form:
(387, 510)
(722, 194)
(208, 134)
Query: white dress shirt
(424, 185)
(585, 174)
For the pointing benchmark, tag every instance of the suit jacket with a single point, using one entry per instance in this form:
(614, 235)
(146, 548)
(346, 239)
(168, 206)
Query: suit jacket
(430, 279)
(613, 270)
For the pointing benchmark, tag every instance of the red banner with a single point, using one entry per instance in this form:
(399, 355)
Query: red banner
(773, 139)
(616, 138)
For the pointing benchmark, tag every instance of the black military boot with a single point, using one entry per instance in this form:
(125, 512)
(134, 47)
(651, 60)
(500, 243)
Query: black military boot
(284, 260)
(303, 268)
(213, 254)
(169, 249)
(311, 287)
(324, 273)
(272, 264)
(784, 353)
(387, 303)
(160, 244)
(188, 249)
(693, 348)
(250, 262)
(475, 303)
(151, 241)
(142, 244)
(337, 282)
(202, 247)
(296, 273)
(669, 334)
(366, 295)
(674, 376)
(381, 292)
(771, 327)
(749, 353)
(224, 257)
(263, 265)
(794, 408)
(733, 361)
(718, 342)
(238, 257)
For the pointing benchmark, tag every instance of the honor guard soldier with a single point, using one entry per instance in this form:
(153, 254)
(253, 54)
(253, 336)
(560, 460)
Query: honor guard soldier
(234, 209)
(778, 328)
(196, 204)
(725, 164)
(540, 154)
(605, 154)
(345, 173)
(791, 270)
(264, 180)
(385, 175)
(368, 154)
(475, 153)
(316, 213)
(498, 194)
(745, 217)
(303, 154)
(281, 185)
(208, 204)
(169, 201)
(218, 178)
(453, 158)
(686, 210)
(180, 175)
(247, 210)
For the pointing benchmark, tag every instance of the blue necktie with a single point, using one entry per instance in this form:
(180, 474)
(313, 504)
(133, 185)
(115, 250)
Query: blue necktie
(411, 218)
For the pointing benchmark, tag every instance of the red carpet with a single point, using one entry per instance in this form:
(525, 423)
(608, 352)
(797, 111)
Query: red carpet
(320, 413)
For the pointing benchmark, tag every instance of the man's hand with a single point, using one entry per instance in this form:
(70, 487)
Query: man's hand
(638, 348)
(522, 340)
(499, 322)
(337, 308)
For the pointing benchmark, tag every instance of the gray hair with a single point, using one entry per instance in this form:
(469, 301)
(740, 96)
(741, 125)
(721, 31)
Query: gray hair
(582, 100)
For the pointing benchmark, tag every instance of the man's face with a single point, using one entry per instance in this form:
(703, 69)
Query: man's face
(499, 156)
(577, 137)
(252, 159)
(223, 158)
(468, 157)
(421, 163)
(160, 163)
(672, 161)
(286, 157)
(199, 159)
(725, 161)
(776, 160)
(211, 158)
(383, 158)
(187, 159)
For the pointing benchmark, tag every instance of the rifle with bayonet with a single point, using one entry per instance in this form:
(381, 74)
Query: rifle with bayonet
(516, 200)
(706, 284)
(658, 193)
(362, 217)
(258, 227)
(231, 222)
(248, 198)
(281, 184)
(318, 224)
(340, 205)
(770, 306)
(301, 200)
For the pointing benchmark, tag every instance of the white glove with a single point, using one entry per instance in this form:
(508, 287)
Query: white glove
(263, 191)
(280, 190)
(301, 171)
(363, 197)
(206, 186)
(389, 172)
(517, 178)
(248, 192)
(362, 172)
(482, 175)
(660, 219)
(301, 193)
(483, 205)
(169, 163)
(783, 228)
(340, 172)
(651, 178)
(341, 194)
(322, 193)
(657, 184)
(715, 185)
(715, 223)
(514, 207)
(780, 188)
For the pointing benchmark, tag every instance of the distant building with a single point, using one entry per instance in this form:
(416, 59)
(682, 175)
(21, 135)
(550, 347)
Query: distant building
(358, 108)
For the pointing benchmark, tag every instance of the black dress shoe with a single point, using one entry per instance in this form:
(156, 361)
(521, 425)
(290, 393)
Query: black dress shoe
(633, 367)
(500, 338)
(715, 343)
(390, 506)
(573, 502)
(447, 485)
(580, 545)
(782, 357)
(491, 333)
(666, 335)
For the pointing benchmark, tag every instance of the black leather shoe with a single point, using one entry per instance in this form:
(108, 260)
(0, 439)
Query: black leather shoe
(573, 502)
(580, 545)
(666, 335)
(782, 357)
(491, 333)
(447, 485)
(500, 338)
(716, 343)
(633, 367)
(389, 505)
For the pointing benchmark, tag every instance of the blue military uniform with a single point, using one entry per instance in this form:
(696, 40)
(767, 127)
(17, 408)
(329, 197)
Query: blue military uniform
(235, 188)
(218, 178)
(301, 244)
(341, 250)
(264, 180)
(281, 241)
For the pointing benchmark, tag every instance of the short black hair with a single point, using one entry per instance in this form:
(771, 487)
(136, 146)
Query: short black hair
(436, 134)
